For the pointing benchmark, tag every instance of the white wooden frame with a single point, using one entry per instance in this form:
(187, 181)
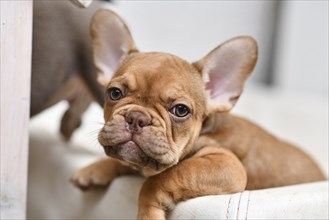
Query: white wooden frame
(15, 69)
(16, 45)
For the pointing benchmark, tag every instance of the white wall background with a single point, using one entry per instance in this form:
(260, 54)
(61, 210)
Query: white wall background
(192, 28)
(303, 47)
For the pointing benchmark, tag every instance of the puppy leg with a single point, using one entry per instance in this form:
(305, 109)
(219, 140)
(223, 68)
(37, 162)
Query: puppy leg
(212, 171)
(79, 101)
(72, 117)
(100, 174)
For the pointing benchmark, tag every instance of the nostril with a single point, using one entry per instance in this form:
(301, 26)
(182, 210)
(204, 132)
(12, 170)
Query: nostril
(129, 120)
(141, 122)
(136, 121)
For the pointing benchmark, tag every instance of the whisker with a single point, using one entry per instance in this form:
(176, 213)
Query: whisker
(93, 136)
(94, 142)
(94, 123)
(93, 132)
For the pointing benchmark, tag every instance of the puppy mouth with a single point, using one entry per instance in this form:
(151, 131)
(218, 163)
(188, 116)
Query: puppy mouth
(131, 153)
(149, 148)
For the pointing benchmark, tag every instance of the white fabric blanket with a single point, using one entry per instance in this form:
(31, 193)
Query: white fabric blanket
(305, 201)
(52, 162)
(51, 196)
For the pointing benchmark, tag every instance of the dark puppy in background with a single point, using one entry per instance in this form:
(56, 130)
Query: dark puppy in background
(62, 62)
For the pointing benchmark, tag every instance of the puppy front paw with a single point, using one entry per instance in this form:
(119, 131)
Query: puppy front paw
(95, 176)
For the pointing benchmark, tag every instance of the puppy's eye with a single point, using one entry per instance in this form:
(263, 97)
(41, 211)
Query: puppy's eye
(114, 93)
(180, 110)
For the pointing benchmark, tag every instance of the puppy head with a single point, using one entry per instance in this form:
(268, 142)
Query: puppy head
(156, 102)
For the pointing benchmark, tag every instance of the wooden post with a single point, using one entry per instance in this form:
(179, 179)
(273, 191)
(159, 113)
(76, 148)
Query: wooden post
(15, 67)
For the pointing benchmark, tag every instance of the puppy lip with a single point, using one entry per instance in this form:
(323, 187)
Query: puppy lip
(109, 149)
(112, 151)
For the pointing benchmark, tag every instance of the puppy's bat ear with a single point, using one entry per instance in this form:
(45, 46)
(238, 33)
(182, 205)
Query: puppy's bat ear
(111, 41)
(226, 69)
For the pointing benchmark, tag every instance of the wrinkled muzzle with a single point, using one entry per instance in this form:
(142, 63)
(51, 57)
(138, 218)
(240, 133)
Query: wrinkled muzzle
(138, 139)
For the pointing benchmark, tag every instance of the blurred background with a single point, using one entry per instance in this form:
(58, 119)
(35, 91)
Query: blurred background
(292, 35)
(287, 93)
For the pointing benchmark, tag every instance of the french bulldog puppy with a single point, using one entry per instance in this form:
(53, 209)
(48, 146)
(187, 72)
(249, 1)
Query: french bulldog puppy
(168, 119)
(62, 62)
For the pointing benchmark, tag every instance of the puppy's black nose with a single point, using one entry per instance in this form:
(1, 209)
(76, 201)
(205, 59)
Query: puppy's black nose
(136, 121)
